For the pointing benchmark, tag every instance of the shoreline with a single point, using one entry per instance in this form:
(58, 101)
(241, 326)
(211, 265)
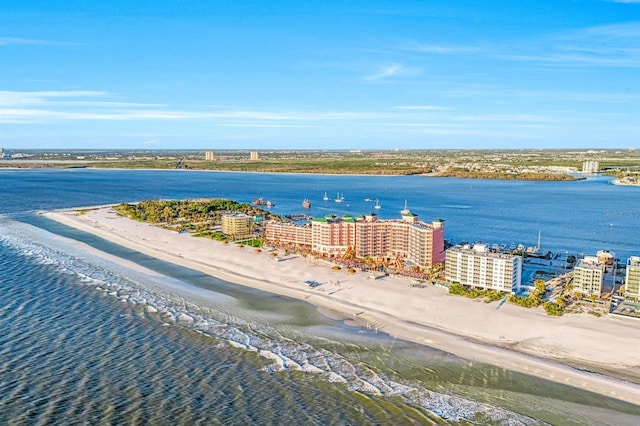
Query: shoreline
(423, 174)
(566, 350)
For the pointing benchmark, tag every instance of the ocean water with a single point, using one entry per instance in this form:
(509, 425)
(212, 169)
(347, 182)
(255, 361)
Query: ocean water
(87, 341)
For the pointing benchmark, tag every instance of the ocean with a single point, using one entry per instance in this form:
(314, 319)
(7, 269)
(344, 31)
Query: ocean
(88, 341)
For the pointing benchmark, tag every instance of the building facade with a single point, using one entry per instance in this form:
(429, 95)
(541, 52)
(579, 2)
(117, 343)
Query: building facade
(590, 166)
(588, 276)
(366, 236)
(478, 267)
(237, 225)
(632, 279)
(288, 234)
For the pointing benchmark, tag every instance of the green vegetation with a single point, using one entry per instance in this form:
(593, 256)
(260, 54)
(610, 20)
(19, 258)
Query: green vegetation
(532, 300)
(196, 216)
(553, 309)
(507, 175)
(474, 293)
(485, 164)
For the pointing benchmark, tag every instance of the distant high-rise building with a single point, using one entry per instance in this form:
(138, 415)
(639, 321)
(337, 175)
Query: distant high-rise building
(253, 156)
(590, 166)
(209, 156)
(478, 267)
(632, 279)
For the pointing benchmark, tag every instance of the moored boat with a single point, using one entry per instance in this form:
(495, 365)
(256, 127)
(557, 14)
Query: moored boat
(306, 204)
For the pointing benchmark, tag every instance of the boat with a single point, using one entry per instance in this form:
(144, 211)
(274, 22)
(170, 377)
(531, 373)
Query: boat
(306, 204)
(377, 206)
(406, 210)
(340, 198)
(368, 200)
(260, 202)
(325, 198)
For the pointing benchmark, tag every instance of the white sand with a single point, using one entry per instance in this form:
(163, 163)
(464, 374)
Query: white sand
(537, 344)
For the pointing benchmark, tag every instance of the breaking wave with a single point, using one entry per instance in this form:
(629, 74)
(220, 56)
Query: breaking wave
(148, 297)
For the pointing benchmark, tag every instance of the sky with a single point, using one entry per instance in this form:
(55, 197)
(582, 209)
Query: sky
(419, 74)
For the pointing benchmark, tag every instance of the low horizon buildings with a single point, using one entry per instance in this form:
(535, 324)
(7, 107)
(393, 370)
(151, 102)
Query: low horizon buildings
(477, 266)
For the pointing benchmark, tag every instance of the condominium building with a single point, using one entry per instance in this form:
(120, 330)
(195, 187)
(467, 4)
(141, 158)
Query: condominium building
(253, 156)
(332, 235)
(632, 279)
(237, 225)
(289, 234)
(209, 156)
(590, 166)
(478, 267)
(588, 276)
(367, 236)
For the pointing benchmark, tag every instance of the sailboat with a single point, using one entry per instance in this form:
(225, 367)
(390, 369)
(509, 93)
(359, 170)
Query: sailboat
(405, 210)
(325, 198)
(340, 198)
(377, 206)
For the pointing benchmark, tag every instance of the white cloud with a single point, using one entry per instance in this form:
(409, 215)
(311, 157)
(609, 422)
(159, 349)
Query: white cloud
(384, 72)
(614, 45)
(441, 49)
(18, 41)
(14, 98)
(422, 107)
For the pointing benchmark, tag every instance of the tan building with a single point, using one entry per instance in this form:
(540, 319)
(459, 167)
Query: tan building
(237, 226)
(209, 156)
(253, 156)
(632, 279)
(588, 276)
(332, 235)
(289, 234)
(478, 267)
(407, 239)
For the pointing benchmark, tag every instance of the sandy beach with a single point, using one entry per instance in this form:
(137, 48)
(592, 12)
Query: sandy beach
(519, 339)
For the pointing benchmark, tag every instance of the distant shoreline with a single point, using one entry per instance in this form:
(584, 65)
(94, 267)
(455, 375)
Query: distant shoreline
(527, 341)
(75, 164)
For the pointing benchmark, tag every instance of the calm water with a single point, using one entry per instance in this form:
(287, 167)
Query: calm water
(85, 341)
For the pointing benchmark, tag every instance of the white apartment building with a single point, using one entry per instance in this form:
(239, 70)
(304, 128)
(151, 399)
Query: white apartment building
(632, 279)
(478, 267)
(588, 276)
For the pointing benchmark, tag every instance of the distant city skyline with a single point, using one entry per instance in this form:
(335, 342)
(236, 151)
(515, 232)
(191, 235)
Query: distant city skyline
(320, 75)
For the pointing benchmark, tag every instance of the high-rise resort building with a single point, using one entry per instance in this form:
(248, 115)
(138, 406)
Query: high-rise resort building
(588, 276)
(590, 166)
(289, 234)
(632, 279)
(253, 156)
(237, 225)
(409, 240)
(478, 267)
(209, 156)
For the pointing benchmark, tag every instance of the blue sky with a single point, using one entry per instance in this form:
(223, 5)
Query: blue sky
(207, 74)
